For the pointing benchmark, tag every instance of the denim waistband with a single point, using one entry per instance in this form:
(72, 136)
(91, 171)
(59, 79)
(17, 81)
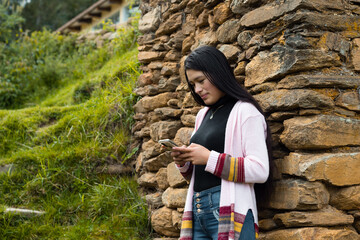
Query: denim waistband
(207, 200)
(207, 191)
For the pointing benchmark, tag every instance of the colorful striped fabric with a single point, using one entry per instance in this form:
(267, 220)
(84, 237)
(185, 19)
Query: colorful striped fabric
(230, 168)
(188, 171)
(230, 224)
(186, 226)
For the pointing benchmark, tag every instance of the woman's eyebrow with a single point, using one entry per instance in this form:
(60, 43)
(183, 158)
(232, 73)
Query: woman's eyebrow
(197, 78)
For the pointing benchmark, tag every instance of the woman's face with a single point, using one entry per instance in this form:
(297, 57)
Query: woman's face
(203, 87)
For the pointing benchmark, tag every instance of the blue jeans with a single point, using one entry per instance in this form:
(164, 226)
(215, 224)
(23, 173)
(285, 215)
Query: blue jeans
(248, 229)
(206, 216)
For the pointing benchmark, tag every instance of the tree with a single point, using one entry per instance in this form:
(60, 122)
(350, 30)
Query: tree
(9, 24)
(52, 14)
(13, 6)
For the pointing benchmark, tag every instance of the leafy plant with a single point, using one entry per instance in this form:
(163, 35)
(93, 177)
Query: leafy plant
(9, 24)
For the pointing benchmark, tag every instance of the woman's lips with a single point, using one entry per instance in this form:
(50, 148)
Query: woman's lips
(203, 96)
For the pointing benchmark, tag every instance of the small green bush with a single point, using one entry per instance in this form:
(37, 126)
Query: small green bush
(8, 93)
(9, 24)
(83, 92)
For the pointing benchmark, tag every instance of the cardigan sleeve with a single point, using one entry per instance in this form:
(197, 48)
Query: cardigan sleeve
(186, 170)
(254, 166)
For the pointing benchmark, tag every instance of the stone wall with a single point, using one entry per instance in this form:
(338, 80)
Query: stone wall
(301, 61)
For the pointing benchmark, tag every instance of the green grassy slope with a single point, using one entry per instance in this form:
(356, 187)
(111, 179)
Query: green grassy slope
(54, 148)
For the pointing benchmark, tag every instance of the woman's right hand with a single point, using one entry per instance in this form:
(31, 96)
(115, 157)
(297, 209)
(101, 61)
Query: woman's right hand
(175, 154)
(194, 153)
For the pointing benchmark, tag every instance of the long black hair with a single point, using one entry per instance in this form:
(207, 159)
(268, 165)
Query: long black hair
(217, 70)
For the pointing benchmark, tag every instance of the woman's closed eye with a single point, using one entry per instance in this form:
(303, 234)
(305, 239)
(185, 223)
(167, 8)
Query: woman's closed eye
(200, 82)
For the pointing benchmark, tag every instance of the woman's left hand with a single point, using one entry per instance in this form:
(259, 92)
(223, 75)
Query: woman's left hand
(194, 153)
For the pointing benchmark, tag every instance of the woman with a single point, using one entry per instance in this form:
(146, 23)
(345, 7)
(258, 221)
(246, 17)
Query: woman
(227, 155)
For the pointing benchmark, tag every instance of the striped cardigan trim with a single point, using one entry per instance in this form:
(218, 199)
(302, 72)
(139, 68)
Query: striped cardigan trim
(186, 226)
(188, 172)
(230, 168)
(230, 224)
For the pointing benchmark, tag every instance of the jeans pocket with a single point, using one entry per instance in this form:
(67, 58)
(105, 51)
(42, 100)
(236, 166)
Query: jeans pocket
(216, 214)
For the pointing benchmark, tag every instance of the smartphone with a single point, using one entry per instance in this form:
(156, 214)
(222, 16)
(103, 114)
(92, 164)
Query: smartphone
(168, 143)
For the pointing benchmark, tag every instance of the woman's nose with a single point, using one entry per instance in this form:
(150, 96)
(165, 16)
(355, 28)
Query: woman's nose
(197, 88)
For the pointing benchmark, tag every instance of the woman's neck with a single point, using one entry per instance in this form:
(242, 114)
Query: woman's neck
(223, 100)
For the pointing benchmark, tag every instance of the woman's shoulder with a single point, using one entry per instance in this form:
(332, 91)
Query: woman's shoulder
(246, 109)
(243, 111)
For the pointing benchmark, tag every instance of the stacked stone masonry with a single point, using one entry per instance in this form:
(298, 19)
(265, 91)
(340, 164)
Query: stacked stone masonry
(301, 61)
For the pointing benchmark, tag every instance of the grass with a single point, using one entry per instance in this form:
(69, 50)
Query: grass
(111, 210)
(55, 147)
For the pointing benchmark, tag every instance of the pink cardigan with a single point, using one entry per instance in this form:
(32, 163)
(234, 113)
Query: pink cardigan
(244, 163)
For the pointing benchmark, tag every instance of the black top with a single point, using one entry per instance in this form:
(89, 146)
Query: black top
(211, 134)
